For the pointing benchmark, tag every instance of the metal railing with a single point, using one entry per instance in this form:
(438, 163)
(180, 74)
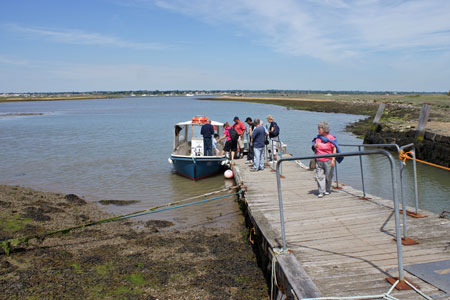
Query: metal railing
(394, 194)
(402, 166)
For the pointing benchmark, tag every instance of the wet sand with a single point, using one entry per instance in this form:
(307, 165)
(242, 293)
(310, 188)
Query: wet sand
(120, 260)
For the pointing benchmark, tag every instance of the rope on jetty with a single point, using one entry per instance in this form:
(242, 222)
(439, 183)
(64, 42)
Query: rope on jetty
(10, 244)
(403, 156)
(373, 297)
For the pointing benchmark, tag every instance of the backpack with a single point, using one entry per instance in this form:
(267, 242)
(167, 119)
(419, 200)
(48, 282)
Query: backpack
(276, 130)
(233, 134)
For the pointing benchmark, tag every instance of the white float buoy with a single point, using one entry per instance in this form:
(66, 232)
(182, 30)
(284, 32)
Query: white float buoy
(228, 174)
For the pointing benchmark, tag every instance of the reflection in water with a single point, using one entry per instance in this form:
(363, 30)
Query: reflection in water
(117, 149)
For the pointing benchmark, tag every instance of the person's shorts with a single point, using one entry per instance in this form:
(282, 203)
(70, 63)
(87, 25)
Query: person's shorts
(230, 146)
(240, 142)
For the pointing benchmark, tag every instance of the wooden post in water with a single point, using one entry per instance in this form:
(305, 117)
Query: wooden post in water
(423, 119)
(377, 118)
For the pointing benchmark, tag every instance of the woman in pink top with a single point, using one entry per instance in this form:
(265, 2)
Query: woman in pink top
(229, 144)
(324, 166)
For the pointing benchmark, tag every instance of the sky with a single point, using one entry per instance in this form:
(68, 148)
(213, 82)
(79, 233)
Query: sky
(116, 45)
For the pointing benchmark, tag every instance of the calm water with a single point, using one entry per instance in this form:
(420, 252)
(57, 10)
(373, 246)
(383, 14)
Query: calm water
(118, 149)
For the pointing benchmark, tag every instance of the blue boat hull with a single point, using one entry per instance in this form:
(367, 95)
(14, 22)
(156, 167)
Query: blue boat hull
(198, 167)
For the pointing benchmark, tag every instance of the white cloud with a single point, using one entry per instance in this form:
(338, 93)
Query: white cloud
(12, 61)
(329, 29)
(52, 76)
(78, 37)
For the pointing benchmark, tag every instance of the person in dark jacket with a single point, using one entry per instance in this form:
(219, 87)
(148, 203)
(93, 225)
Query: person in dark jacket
(251, 126)
(274, 139)
(207, 131)
(258, 138)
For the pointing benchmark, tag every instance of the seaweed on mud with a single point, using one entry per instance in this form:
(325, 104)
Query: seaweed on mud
(74, 199)
(118, 202)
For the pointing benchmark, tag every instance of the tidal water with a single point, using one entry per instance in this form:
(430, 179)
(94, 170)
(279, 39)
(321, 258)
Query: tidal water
(118, 149)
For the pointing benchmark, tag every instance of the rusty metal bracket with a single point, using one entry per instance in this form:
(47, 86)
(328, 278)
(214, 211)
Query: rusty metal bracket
(412, 214)
(408, 241)
(402, 285)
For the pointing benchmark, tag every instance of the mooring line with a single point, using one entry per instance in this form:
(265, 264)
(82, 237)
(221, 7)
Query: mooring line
(11, 244)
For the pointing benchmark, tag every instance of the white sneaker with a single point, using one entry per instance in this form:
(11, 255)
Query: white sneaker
(327, 193)
(320, 195)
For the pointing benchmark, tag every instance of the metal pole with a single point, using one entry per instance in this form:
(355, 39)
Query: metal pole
(336, 171)
(362, 172)
(402, 167)
(416, 194)
(394, 195)
(397, 222)
(281, 156)
(280, 203)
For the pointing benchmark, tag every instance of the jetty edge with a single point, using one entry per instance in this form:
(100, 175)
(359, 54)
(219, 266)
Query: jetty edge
(339, 245)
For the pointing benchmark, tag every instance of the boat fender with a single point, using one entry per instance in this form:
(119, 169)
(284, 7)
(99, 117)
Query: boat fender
(228, 174)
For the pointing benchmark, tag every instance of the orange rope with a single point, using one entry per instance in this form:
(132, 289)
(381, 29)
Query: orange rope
(403, 156)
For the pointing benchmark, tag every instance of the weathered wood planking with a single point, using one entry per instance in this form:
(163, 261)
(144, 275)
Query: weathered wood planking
(343, 243)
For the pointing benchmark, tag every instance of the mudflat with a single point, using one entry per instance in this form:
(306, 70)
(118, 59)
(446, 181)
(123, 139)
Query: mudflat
(118, 260)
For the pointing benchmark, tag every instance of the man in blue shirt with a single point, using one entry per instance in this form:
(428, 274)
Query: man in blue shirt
(258, 138)
(207, 131)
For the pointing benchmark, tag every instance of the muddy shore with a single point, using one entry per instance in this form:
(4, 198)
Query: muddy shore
(121, 260)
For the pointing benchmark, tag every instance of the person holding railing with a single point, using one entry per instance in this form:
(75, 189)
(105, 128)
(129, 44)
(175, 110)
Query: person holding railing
(274, 139)
(324, 143)
(251, 126)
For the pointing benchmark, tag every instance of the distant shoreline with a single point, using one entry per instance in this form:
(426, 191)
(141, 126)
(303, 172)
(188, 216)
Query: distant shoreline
(401, 112)
(30, 99)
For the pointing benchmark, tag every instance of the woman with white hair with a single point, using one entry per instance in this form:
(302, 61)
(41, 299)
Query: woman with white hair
(324, 143)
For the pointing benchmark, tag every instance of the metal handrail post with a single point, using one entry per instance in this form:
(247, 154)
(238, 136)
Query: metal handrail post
(401, 177)
(416, 193)
(280, 204)
(336, 171)
(402, 167)
(394, 195)
(281, 155)
(362, 173)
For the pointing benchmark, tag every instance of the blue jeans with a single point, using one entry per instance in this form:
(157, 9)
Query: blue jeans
(207, 146)
(258, 159)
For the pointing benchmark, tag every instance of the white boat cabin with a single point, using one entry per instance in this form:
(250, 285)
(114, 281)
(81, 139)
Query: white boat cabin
(189, 142)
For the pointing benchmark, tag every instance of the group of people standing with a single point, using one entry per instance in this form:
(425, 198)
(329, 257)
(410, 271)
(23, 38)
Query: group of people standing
(260, 136)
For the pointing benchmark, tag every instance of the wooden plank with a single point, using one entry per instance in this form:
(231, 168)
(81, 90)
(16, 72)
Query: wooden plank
(337, 241)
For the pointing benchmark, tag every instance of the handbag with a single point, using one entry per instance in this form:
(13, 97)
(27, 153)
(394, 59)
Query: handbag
(266, 141)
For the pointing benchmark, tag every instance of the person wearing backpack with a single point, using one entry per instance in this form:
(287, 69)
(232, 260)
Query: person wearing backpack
(274, 139)
(231, 137)
(241, 129)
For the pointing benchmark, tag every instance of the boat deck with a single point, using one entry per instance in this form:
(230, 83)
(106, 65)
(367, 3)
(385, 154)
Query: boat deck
(344, 244)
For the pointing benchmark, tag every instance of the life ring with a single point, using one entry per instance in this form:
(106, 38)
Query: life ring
(199, 120)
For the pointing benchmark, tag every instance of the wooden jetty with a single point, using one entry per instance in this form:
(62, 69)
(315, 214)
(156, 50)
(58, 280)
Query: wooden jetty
(338, 245)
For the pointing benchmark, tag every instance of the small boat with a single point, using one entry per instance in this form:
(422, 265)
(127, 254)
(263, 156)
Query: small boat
(187, 156)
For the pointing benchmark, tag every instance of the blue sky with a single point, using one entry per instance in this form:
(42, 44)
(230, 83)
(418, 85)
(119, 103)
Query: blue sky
(88, 45)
